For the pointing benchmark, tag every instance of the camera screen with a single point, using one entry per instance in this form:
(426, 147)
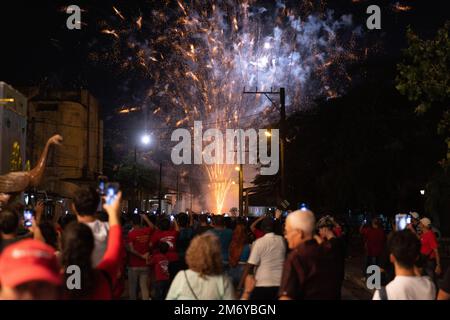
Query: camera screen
(27, 216)
(401, 221)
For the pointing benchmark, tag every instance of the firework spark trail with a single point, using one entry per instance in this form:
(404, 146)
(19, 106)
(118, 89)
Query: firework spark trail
(200, 58)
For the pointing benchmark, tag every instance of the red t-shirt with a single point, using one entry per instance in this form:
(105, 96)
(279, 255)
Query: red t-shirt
(110, 264)
(375, 239)
(429, 243)
(169, 236)
(140, 239)
(258, 233)
(160, 264)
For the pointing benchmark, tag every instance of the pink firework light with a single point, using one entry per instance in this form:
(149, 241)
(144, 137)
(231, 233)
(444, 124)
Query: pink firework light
(199, 58)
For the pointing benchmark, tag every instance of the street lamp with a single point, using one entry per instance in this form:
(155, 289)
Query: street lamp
(145, 139)
(422, 191)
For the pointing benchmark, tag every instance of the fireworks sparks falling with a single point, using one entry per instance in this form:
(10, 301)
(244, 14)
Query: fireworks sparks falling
(398, 7)
(118, 13)
(198, 58)
(111, 32)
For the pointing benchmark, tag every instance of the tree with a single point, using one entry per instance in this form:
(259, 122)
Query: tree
(425, 78)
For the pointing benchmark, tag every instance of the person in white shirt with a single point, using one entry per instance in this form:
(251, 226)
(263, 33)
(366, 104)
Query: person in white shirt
(85, 204)
(267, 256)
(404, 248)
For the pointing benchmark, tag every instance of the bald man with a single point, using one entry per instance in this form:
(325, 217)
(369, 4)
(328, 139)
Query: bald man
(309, 272)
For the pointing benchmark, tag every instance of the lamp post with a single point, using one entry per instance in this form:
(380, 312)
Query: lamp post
(145, 140)
(241, 187)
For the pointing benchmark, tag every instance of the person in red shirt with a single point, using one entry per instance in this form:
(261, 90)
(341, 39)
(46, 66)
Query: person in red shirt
(375, 240)
(138, 247)
(77, 246)
(429, 249)
(160, 266)
(165, 233)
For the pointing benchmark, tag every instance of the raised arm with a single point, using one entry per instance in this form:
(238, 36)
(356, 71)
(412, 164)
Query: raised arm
(147, 221)
(111, 259)
(253, 225)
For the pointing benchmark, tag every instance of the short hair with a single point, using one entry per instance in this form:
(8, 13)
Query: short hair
(136, 219)
(405, 247)
(183, 219)
(9, 221)
(303, 220)
(218, 220)
(203, 218)
(325, 222)
(267, 225)
(164, 224)
(204, 255)
(163, 247)
(86, 201)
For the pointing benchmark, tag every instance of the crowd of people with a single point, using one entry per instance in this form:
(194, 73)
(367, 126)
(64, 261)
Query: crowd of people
(112, 255)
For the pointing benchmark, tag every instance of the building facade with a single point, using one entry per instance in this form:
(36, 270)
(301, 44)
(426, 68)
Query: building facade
(13, 129)
(76, 116)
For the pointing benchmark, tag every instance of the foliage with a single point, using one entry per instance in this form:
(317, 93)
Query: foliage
(424, 77)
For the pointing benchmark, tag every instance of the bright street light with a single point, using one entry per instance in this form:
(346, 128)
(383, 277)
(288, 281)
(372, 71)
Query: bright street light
(145, 139)
(237, 168)
(422, 191)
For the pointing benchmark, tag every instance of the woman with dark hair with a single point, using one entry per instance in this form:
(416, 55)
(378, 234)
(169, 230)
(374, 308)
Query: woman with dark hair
(77, 247)
(239, 251)
(186, 233)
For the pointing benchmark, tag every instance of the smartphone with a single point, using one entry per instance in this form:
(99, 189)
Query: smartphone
(209, 219)
(401, 221)
(27, 216)
(102, 186)
(111, 192)
(172, 217)
(136, 211)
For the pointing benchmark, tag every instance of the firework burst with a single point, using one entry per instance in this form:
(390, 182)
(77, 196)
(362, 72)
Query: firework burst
(198, 58)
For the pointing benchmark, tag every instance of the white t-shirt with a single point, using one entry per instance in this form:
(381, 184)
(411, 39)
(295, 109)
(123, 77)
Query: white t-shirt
(409, 288)
(204, 288)
(100, 230)
(268, 253)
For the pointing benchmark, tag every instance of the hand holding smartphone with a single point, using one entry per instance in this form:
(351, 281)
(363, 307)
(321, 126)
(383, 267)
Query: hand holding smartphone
(111, 190)
(27, 218)
(401, 221)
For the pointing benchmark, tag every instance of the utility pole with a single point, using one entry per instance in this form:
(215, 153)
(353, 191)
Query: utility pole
(178, 195)
(160, 189)
(135, 178)
(282, 96)
(241, 189)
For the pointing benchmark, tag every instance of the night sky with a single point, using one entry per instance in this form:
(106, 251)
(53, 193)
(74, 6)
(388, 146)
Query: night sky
(37, 47)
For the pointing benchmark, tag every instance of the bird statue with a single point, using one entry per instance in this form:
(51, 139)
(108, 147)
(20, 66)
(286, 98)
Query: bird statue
(19, 181)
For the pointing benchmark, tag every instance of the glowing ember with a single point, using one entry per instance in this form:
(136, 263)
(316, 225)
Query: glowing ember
(400, 7)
